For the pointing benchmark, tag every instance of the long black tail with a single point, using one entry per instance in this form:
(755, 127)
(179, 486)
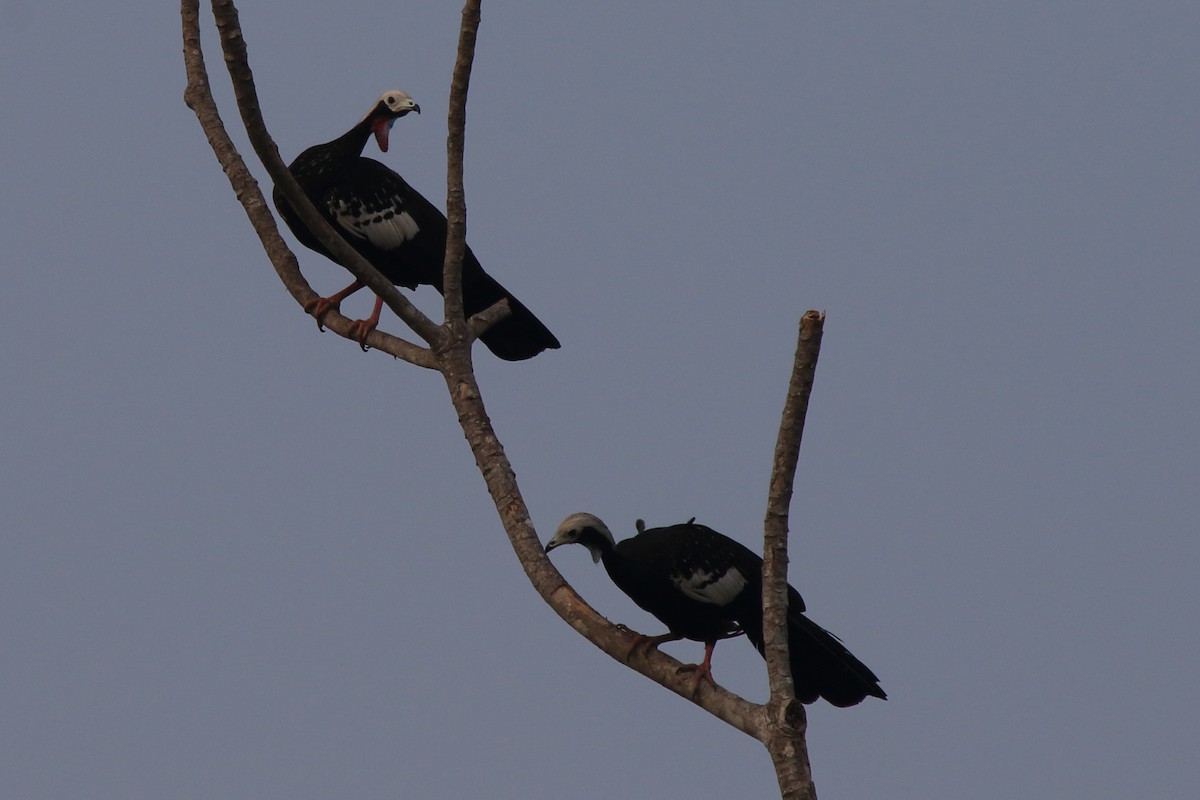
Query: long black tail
(517, 337)
(821, 665)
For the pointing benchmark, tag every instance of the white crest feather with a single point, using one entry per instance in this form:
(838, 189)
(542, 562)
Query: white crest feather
(395, 100)
(571, 528)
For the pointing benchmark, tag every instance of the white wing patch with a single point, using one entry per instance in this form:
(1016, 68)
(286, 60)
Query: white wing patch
(387, 230)
(706, 587)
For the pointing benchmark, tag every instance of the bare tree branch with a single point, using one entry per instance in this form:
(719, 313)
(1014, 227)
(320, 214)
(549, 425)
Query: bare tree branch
(501, 481)
(616, 640)
(479, 323)
(780, 724)
(788, 720)
(233, 44)
(198, 96)
(456, 204)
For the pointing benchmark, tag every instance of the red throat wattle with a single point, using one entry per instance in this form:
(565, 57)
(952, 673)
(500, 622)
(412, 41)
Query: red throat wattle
(381, 126)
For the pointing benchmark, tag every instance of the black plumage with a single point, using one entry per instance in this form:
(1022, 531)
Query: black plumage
(705, 586)
(397, 230)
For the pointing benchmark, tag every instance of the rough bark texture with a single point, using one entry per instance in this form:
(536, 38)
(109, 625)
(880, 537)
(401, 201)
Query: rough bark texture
(456, 136)
(785, 739)
(780, 724)
(497, 472)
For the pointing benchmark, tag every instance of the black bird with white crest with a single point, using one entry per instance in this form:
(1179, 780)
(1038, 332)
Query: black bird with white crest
(397, 230)
(705, 586)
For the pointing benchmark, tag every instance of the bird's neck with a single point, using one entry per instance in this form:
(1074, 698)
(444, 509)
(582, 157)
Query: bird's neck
(351, 143)
(599, 545)
(322, 163)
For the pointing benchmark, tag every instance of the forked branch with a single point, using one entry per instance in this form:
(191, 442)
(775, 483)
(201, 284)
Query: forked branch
(780, 724)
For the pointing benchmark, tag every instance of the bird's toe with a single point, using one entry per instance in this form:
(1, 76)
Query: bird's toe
(703, 674)
(318, 308)
(360, 330)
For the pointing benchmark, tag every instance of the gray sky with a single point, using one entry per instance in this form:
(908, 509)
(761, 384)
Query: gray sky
(241, 559)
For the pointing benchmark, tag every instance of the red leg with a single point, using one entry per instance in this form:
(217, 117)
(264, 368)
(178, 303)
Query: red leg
(703, 669)
(323, 305)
